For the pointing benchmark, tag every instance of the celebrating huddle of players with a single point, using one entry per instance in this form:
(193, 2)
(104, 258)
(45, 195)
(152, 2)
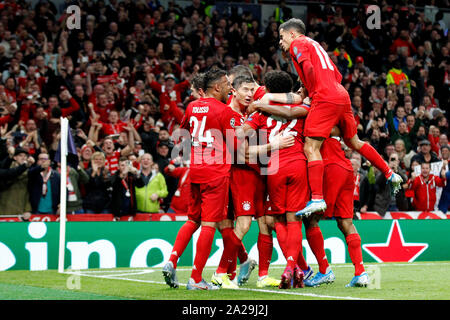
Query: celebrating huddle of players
(269, 154)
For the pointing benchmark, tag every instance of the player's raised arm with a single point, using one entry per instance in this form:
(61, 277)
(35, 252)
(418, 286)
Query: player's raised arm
(288, 98)
(286, 112)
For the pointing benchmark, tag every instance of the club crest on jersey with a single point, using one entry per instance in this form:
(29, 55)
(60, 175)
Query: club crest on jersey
(232, 122)
(246, 205)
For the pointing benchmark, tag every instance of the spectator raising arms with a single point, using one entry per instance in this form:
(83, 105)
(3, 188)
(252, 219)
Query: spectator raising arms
(424, 188)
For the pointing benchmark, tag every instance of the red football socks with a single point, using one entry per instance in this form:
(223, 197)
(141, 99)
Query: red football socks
(183, 237)
(281, 231)
(265, 247)
(203, 250)
(315, 241)
(315, 179)
(294, 242)
(301, 260)
(231, 244)
(368, 152)
(354, 249)
(242, 253)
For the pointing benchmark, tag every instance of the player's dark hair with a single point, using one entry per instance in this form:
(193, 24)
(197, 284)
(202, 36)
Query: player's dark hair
(198, 81)
(278, 81)
(293, 23)
(240, 70)
(238, 81)
(212, 76)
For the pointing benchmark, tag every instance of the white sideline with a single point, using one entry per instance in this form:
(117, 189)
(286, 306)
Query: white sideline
(118, 277)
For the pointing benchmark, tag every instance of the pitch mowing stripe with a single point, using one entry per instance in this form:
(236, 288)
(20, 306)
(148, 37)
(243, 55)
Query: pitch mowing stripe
(24, 292)
(112, 277)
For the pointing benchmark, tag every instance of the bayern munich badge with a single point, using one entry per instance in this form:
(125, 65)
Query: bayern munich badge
(246, 205)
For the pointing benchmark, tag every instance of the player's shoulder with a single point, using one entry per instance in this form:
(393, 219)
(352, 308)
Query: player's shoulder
(301, 41)
(191, 105)
(259, 93)
(229, 113)
(205, 106)
(253, 117)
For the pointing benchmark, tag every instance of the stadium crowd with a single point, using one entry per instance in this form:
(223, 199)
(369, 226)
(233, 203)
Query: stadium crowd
(124, 80)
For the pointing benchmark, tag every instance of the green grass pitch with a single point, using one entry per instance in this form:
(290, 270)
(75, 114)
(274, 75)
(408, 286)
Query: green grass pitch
(396, 281)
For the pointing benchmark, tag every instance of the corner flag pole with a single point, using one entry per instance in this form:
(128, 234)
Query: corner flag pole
(63, 194)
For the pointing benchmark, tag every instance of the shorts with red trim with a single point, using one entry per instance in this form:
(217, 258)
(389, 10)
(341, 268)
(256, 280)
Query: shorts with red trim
(247, 190)
(323, 116)
(338, 187)
(209, 200)
(288, 189)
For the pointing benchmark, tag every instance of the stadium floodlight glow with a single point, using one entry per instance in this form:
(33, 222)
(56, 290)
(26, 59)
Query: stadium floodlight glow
(63, 193)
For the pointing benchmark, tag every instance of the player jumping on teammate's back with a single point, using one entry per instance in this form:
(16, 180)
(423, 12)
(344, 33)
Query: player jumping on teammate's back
(330, 106)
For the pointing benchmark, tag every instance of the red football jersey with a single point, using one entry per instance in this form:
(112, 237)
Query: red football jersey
(332, 153)
(327, 85)
(181, 197)
(274, 125)
(259, 93)
(210, 123)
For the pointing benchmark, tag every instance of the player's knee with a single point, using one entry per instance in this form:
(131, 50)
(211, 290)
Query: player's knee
(312, 147)
(313, 222)
(243, 226)
(270, 222)
(346, 226)
(210, 224)
(354, 143)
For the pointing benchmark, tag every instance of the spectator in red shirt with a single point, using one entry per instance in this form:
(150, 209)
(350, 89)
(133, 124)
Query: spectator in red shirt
(112, 155)
(424, 188)
(180, 199)
(66, 102)
(101, 107)
(168, 92)
(10, 89)
(403, 45)
(32, 76)
(114, 126)
(433, 136)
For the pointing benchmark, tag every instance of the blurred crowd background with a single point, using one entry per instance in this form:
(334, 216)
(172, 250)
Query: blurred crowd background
(124, 80)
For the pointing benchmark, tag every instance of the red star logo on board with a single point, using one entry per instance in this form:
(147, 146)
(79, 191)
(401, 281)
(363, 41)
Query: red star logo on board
(395, 249)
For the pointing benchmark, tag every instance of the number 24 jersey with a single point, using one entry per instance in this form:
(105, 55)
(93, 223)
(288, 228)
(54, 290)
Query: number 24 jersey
(211, 124)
